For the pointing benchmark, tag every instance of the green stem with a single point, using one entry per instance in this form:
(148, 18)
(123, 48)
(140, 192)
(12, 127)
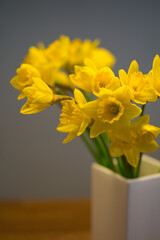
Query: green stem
(87, 96)
(105, 137)
(137, 170)
(101, 151)
(128, 169)
(107, 153)
(89, 145)
(143, 107)
(121, 166)
(99, 147)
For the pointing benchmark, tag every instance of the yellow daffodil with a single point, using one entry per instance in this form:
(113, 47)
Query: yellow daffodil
(102, 57)
(79, 50)
(141, 139)
(36, 57)
(112, 111)
(55, 77)
(91, 79)
(72, 118)
(57, 52)
(24, 78)
(104, 79)
(155, 75)
(83, 78)
(48, 61)
(62, 55)
(139, 84)
(40, 96)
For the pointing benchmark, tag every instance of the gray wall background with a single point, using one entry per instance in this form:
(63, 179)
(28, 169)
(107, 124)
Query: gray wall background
(34, 163)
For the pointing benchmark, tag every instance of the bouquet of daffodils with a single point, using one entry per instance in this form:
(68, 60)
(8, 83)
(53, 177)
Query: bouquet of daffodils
(105, 110)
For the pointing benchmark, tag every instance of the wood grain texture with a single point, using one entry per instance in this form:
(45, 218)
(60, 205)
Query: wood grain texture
(59, 220)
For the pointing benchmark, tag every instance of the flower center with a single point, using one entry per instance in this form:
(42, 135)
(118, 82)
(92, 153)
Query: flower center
(102, 80)
(110, 110)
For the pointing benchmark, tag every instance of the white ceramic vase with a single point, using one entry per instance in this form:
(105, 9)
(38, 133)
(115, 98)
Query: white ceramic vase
(126, 209)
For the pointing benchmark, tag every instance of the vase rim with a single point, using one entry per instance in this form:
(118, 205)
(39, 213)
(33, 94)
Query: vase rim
(151, 164)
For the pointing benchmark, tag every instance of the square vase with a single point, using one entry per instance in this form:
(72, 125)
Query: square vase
(126, 209)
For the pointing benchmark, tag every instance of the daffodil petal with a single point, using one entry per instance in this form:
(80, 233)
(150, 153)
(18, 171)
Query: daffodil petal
(141, 120)
(67, 128)
(115, 150)
(147, 146)
(30, 109)
(123, 95)
(132, 156)
(79, 97)
(123, 77)
(132, 111)
(90, 109)
(97, 128)
(70, 137)
(121, 129)
(21, 96)
(83, 126)
(133, 67)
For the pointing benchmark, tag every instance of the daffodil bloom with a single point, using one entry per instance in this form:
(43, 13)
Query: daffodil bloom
(155, 75)
(72, 118)
(62, 55)
(24, 78)
(36, 57)
(92, 80)
(139, 84)
(112, 111)
(141, 139)
(40, 96)
(55, 77)
(57, 52)
(83, 78)
(79, 50)
(104, 79)
(102, 57)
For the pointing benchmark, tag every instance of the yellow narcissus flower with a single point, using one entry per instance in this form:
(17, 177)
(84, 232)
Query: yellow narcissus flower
(40, 96)
(141, 139)
(24, 78)
(102, 57)
(91, 79)
(53, 77)
(72, 118)
(139, 84)
(155, 75)
(79, 50)
(36, 57)
(83, 78)
(104, 79)
(57, 52)
(112, 111)
(48, 61)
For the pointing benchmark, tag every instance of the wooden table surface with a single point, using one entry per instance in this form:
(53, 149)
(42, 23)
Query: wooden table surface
(45, 220)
